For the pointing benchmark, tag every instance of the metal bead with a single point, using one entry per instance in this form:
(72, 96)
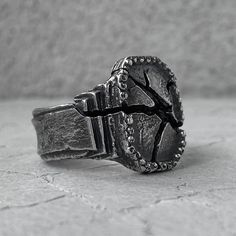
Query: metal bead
(124, 72)
(164, 166)
(155, 165)
(183, 142)
(123, 86)
(130, 62)
(123, 78)
(111, 121)
(177, 156)
(175, 163)
(123, 95)
(142, 162)
(130, 120)
(131, 139)
(138, 155)
(148, 165)
(130, 130)
(131, 150)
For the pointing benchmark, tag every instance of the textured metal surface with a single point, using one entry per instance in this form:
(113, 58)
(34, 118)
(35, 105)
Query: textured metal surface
(133, 118)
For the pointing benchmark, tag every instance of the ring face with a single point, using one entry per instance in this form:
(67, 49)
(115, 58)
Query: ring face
(134, 118)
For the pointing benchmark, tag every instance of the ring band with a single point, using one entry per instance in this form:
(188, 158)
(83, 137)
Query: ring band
(134, 118)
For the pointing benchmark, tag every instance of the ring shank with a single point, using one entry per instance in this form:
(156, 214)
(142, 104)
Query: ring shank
(64, 133)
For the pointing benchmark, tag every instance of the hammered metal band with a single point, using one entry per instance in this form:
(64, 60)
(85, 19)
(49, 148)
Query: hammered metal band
(134, 118)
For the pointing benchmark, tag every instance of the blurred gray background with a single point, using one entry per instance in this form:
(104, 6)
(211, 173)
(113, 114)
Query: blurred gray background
(59, 48)
(53, 49)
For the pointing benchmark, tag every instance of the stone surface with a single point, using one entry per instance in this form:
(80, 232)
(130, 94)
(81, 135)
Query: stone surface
(88, 197)
(52, 48)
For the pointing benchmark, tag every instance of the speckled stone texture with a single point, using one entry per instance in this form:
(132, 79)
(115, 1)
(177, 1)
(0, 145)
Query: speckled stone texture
(88, 197)
(53, 48)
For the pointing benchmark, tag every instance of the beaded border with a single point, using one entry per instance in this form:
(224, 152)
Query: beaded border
(141, 164)
(147, 166)
(127, 62)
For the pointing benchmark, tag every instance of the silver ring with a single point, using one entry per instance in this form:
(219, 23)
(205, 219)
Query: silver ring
(134, 118)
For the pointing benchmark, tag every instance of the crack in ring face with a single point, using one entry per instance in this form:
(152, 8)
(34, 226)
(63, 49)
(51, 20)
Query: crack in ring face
(143, 100)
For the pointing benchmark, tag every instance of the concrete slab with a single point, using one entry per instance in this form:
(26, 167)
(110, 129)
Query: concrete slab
(88, 197)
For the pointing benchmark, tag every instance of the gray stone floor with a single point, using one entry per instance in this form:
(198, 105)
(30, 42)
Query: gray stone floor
(85, 197)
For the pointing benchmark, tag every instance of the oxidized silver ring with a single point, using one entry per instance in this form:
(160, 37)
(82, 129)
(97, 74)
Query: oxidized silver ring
(134, 118)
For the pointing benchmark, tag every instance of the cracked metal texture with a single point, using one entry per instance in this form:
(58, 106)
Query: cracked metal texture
(134, 118)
